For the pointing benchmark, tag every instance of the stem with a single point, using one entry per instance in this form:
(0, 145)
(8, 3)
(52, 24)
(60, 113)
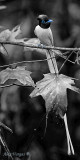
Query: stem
(65, 61)
(46, 123)
(6, 147)
(5, 127)
(69, 142)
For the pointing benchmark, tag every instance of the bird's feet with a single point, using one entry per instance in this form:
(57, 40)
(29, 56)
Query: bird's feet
(40, 45)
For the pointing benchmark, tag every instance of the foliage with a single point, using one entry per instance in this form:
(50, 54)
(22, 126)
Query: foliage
(53, 89)
(19, 73)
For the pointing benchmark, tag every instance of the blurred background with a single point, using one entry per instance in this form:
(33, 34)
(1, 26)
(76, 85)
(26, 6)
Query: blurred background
(26, 116)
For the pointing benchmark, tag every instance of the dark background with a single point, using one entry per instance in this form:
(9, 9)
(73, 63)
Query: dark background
(17, 110)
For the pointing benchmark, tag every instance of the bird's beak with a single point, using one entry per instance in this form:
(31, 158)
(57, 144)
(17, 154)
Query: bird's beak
(49, 21)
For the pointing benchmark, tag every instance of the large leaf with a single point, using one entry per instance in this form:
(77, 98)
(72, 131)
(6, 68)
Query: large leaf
(19, 73)
(54, 91)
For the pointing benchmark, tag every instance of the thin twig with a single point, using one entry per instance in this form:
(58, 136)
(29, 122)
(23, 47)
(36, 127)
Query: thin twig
(5, 127)
(6, 147)
(4, 48)
(77, 58)
(65, 61)
(33, 61)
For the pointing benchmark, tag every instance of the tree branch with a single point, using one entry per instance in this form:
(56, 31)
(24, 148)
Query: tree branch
(38, 46)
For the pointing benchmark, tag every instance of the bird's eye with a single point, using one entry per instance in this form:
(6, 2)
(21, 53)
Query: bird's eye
(43, 21)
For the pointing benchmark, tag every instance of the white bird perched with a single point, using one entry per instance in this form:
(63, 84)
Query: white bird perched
(44, 33)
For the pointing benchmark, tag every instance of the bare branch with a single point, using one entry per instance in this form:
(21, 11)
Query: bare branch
(38, 46)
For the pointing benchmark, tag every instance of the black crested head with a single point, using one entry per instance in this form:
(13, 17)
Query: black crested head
(43, 17)
(44, 21)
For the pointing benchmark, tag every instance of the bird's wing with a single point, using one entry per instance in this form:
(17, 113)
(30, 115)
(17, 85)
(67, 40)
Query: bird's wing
(35, 32)
(50, 36)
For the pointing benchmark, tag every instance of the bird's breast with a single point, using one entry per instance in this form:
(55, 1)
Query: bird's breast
(44, 35)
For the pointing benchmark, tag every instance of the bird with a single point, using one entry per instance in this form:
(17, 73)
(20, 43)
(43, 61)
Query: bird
(44, 34)
(43, 30)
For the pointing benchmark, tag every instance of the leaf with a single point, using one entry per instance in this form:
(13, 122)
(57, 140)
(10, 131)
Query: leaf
(58, 53)
(32, 41)
(8, 35)
(14, 33)
(19, 73)
(77, 57)
(54, 91)
(5, 35)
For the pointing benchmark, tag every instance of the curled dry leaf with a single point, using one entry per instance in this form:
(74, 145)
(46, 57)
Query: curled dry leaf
(14, 33)
(58, 53)
(8, 35)
(20, 74)
(54, 91)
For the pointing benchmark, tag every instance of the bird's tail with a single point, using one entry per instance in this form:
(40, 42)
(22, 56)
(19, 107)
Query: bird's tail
(52, 61)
